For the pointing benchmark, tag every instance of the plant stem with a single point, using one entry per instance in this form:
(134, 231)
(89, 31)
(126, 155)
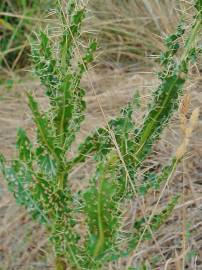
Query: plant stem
(100, 241)
(191, 39)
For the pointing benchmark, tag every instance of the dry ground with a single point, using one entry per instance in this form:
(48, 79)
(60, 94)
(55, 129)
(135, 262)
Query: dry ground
(23, 243)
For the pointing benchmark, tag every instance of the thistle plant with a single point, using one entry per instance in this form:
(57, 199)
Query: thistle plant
(39, 176)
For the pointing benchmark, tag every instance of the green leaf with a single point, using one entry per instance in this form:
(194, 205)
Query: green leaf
(44, 129)
(166, 100)
(101, 203)
(45, 64)
(24, 146)
(70, 34)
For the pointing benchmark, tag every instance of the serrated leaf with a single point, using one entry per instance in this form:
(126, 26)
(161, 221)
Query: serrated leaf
(24, 146)
(101, 206)
(44, 130)
(165, 103)
(45, 64)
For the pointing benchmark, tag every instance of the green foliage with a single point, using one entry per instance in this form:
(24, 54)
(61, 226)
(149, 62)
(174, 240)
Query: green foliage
(39, 176)
(102, 207)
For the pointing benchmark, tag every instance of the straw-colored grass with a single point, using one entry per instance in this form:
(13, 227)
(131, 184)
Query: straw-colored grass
(130, 31)
(18, 20)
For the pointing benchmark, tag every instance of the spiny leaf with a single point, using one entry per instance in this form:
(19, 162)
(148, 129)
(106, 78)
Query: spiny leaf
(165, 103)
(45, 64)
(70, 34)
(44, 130)
(24, 146)
(101, 202)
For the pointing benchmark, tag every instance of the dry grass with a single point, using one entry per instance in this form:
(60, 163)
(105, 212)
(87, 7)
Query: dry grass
(131, 31)
(18, 20)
